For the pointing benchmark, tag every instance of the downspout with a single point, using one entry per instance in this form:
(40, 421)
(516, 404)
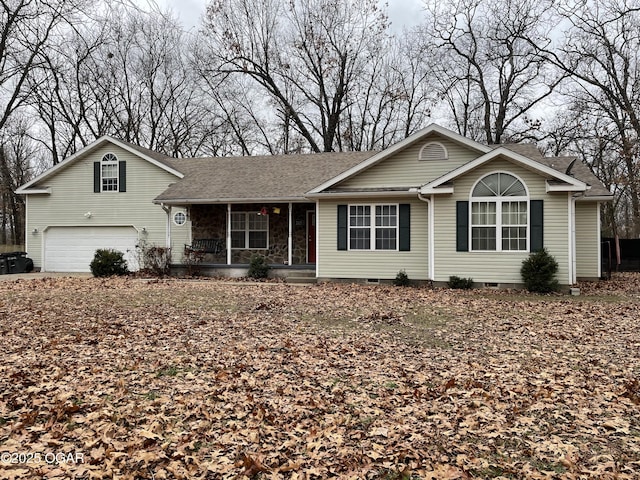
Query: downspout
(228, 234)
(572, 239)
(168, 229)
(430, 220)
(290, 237)
(317, 232)
(599, 230)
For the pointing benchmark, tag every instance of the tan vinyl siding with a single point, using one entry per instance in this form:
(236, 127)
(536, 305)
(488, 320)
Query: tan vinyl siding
(587, 240)
(372, 264)
(72, 197)
(404, 169)
(498, 267)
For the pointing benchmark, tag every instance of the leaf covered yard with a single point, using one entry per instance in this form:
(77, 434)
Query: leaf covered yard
(134, 379)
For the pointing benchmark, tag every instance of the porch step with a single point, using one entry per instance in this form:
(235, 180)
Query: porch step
(301, 276)
(303, 273)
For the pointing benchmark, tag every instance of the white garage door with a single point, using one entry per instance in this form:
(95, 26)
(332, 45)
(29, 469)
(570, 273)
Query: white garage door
(71, 249)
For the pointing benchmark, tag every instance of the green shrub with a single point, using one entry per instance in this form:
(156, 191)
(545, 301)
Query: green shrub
(460, 283)
(538, 272)
(402, 279)
(258, 267)
(107, 262)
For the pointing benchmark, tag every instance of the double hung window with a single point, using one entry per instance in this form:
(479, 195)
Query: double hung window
(109, 173)
(249, 230)
(373, 227)
(499, 214)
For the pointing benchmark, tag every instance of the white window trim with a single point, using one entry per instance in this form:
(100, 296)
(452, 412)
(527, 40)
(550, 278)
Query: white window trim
(372, 227)
(117, 175)
(498, 225)
(185, 218)
(246, 231)
(422, 159)
(499, 200)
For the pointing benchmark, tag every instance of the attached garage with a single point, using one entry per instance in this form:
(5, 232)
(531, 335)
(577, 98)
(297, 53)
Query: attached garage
(71, 249)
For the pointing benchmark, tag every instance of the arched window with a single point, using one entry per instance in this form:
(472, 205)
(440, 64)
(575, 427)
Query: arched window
(433, 151)
(109, 173)
(499, 213)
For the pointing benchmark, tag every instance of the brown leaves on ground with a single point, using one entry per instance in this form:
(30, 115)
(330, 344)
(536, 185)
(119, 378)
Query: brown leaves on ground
(129, 379)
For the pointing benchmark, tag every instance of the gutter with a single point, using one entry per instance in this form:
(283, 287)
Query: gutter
(397, 193)
(33, 191)
(224, 201)
(594, 198)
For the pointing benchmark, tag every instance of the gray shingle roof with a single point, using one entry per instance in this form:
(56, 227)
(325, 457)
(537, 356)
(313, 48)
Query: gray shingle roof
(289, 177)
(160, 157)
(257, 178)
(527, 149)
(579, 170)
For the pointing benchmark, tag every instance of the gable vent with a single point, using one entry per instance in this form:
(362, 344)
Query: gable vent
(433, 151)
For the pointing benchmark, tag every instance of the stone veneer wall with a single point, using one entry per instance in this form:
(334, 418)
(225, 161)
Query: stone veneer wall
(210, 221)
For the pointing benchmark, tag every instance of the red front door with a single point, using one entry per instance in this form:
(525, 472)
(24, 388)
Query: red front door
(311, 236)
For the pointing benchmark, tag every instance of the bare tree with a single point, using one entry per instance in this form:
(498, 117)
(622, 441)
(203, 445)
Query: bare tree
(122, 72)
(27, 27)
(492, 76)
(307, 55)
(600, 54)
(394, 97)
(17, 151)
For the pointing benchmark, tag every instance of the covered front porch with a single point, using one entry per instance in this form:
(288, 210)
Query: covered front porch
(224, 238)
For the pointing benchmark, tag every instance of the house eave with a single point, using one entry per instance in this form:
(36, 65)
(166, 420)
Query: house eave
(550, 187)
(33, 191)
(436, 190)
(363, 194)
(224, 201)
(594, 198)
(570, 182)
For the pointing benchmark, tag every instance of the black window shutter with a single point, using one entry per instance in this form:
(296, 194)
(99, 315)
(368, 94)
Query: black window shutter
(96, 177)
(122, 176)
(342, 227)
(462, 226)
(404, 222)
(536, 208)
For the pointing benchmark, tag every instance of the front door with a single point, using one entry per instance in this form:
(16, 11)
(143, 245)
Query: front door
(311, 236)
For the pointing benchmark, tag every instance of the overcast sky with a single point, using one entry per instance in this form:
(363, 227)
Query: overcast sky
(401, 12)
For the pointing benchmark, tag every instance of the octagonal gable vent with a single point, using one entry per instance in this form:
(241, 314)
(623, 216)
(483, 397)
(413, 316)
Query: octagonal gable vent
(433, 151)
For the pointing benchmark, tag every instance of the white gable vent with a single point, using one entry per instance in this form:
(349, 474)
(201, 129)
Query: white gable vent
(433, 151)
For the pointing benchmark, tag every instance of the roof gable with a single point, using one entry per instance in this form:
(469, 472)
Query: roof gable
(154, 158)
(398, 147)
(567, 182)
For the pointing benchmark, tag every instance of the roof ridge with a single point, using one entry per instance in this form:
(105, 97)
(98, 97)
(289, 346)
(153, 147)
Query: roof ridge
(283, 155)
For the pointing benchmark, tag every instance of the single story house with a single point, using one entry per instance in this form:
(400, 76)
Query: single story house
(435, 204)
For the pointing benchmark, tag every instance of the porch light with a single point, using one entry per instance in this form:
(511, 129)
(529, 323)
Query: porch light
(276, 210)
